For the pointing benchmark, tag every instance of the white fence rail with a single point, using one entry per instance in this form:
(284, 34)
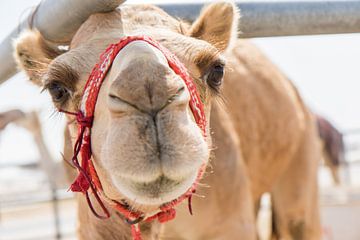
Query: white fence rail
(57, 20)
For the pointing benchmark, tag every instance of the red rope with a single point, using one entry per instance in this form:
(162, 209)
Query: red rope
(135, 232)
(83, 180)
(190, 204)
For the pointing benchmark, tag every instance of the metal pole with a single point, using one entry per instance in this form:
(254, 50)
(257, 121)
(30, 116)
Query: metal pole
(286, 18)
(56, 212)
(57, 21)
(300, 18)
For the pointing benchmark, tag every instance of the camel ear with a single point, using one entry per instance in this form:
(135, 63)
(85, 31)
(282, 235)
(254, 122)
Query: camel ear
(217, 24)
(33, 54)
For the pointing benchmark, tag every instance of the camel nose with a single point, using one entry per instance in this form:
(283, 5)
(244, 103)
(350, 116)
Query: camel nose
(123, 102)
(143, 80)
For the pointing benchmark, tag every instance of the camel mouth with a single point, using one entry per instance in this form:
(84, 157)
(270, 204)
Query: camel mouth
(155, 193)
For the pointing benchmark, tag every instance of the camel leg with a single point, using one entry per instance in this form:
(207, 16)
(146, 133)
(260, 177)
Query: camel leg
(9, 117)
(334, 169)
(295, 196)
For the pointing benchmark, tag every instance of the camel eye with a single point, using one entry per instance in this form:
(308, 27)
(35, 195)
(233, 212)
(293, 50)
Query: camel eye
(58, 92)
(215, 76)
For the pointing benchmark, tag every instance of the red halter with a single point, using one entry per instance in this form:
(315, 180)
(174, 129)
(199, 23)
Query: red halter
(87, 176)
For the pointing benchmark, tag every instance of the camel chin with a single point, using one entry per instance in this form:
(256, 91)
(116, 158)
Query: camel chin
(155, 193)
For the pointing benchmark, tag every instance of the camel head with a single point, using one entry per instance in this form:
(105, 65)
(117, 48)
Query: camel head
(147, 148)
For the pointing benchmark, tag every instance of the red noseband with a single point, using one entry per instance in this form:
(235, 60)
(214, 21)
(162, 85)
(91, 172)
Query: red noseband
(87, 176)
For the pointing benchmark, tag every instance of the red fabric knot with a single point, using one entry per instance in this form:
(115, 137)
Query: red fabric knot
(83, 120)
(87, 177)
(167, 216)
(80, 184)
(163, 216)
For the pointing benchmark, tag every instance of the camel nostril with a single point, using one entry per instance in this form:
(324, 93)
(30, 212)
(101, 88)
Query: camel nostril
(113, 97)
(121, 103)
(177, 94)
(117, 100)
(180, 90)
(117, 103)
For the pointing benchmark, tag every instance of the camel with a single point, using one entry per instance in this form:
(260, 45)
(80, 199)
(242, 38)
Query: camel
(53, 169)
(10, 116)
(333, 147)
(146, 145)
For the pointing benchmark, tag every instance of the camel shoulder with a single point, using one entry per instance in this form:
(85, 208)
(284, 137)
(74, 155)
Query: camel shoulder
(265, 107)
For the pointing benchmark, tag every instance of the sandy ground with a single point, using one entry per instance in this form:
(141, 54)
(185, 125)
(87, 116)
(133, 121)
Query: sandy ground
(340, 213)
(36, 222)
(32, 218)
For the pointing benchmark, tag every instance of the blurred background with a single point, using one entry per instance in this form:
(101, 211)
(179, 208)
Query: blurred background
(324, 68)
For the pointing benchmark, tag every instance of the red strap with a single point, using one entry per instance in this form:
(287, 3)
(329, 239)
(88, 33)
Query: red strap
(135, 232)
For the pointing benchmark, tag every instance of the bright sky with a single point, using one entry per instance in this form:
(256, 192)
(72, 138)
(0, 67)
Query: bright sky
(324, 68)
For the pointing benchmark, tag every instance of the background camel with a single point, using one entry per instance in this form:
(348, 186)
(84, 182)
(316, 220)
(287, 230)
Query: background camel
(263, 138)
(333, 146)
(54, 170)
(9, 117)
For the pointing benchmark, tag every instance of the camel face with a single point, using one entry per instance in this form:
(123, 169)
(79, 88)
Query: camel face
(147, 147)
(151, 149)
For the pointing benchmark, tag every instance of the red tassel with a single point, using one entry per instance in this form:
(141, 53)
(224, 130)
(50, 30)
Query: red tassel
(80, 184)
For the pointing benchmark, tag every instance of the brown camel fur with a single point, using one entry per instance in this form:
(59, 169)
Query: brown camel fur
(263, 138)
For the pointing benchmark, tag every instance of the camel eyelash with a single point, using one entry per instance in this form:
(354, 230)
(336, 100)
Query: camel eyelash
(59, 93)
